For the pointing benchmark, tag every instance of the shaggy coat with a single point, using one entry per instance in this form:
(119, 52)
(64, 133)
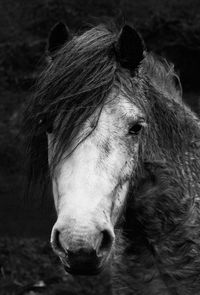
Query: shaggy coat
(159, 233)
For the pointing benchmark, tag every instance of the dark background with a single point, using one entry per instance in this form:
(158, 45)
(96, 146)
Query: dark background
(169, 28)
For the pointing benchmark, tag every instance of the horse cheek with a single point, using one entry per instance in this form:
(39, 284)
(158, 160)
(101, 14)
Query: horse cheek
(118, 204)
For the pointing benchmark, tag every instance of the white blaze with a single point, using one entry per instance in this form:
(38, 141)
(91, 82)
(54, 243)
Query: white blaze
(92, 183)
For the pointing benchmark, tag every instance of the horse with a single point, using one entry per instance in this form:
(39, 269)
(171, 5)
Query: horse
(108, 126)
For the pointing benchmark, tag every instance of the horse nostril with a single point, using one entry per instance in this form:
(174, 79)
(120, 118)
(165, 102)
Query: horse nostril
(105, 243)
(56, 244)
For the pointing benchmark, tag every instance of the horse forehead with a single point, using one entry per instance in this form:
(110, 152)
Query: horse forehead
(118, 113)
(121, 105)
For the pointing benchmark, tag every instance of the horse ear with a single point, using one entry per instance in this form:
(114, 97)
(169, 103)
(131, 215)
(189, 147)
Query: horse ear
(129, 48)
(58, 35)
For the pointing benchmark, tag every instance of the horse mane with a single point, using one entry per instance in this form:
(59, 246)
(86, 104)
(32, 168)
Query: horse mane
(168, 115)
(78, 82)
(162, 74)
(69, 90)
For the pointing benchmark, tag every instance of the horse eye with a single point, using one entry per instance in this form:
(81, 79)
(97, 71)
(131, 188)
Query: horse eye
(135, 129)
(49, 129)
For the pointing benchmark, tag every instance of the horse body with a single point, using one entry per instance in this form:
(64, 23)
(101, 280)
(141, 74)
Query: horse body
(166, 211)
(123, 153)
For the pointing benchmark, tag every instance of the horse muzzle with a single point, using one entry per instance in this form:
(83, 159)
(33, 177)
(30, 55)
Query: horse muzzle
(82, 250)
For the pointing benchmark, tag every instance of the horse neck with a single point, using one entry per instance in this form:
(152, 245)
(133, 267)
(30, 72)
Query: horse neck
(178, 196)
(162, 218)
(180, 148)
(178, 133)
